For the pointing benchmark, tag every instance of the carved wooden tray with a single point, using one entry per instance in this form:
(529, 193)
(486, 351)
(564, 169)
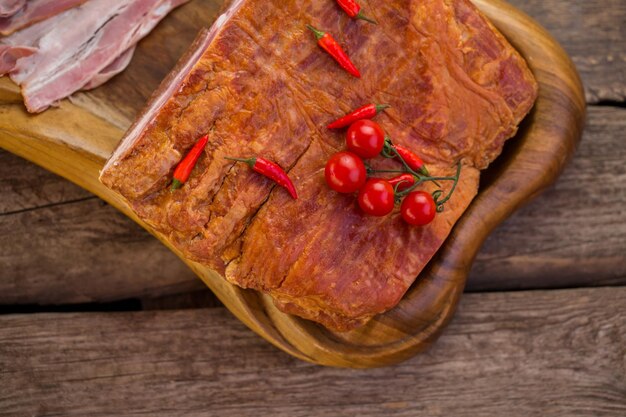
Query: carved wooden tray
(75, 139)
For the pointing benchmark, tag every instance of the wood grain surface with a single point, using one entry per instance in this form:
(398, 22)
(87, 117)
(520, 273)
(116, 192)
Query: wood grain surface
(593, 33)
(519, 354)
(25, 186)
(71, 240)
(74, 139)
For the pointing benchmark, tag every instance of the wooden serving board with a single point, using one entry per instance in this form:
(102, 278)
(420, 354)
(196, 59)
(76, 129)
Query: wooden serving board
(75, 139)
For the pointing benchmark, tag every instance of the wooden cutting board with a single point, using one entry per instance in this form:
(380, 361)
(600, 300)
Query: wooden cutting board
(75, 139)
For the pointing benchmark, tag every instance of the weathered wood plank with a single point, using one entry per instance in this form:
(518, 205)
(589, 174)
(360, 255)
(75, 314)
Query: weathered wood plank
(83, 252)
(557, 353)
(66, 250)
(575, 233)
(594, 34)
(24, 186)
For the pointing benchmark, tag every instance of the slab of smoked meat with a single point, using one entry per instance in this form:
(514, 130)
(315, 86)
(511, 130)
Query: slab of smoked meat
(458, 91)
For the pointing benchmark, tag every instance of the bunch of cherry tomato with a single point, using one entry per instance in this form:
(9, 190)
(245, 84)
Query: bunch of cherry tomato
(347, 173)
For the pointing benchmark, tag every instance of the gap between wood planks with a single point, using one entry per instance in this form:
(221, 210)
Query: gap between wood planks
(50, 205)
(611, 103)
(183, 301)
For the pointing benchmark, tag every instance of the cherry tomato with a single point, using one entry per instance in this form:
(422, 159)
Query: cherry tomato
(365, 138)
(376, 198)
(345, 172)
(418, 208)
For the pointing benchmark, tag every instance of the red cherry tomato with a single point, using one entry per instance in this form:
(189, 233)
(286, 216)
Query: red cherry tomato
(345, 172)
(376, 198)
(418, 208)
(365, 138)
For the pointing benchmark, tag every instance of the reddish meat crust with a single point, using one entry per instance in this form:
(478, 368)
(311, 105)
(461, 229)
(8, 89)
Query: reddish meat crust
(458, 91)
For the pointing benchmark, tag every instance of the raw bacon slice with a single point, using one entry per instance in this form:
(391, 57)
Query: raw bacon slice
(112, 70)
(66, 61)
(10, 54)
(10, 7)
(32, 12)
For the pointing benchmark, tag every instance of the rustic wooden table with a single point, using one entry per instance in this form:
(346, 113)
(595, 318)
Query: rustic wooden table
(99, 319)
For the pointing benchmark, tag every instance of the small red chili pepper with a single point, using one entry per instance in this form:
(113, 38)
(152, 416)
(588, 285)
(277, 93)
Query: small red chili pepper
(365, 112)
(184, 168)
(272, 171)
(412, 160)
(326, 41)
(353, 9)
(402, 182)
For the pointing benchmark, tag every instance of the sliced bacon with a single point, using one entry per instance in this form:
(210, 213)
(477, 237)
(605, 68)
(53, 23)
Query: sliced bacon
(10, 7)
(114, 68)
(10, 54)
(34, 11)
(99, 46)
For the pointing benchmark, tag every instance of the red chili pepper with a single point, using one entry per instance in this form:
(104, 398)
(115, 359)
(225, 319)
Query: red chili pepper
(272, 171)
(412, 160)
(402, 182)
(353, 9)
(365, 112)
(326, 41)
(184, 168)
